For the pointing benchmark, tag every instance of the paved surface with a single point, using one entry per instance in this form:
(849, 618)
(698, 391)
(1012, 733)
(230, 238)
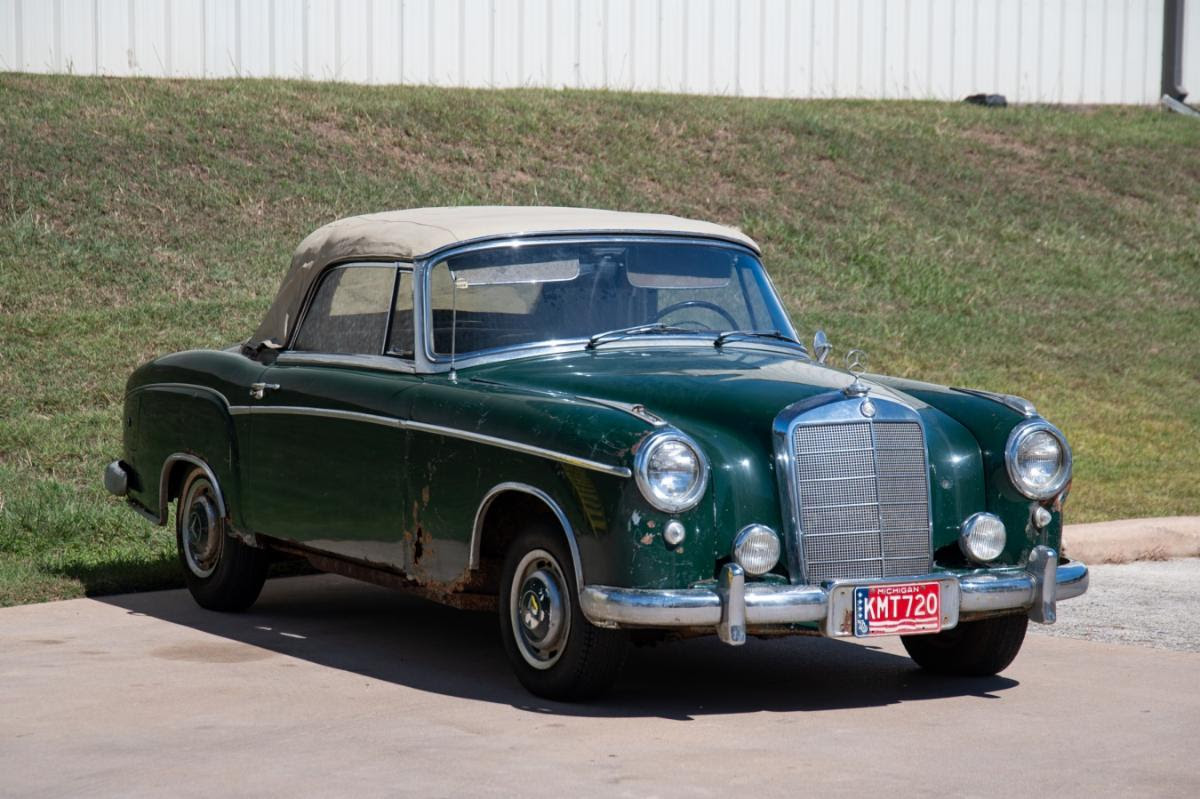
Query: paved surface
(1148, 604)
(335, 688)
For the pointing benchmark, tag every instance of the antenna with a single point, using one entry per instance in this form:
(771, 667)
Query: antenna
(453, 323)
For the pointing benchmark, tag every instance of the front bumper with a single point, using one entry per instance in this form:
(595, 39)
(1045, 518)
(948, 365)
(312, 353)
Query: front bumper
(733, 606)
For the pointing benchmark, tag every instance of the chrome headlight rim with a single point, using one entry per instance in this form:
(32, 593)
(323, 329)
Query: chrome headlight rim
(641, 462)
(1015, 438)
(964, 537)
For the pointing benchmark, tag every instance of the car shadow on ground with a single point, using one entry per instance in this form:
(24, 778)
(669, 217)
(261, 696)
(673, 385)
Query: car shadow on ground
(385, 635)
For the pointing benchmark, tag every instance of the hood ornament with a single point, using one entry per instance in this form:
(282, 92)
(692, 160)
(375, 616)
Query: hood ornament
(856, 364)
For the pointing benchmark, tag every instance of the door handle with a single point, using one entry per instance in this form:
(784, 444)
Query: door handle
(258, 389)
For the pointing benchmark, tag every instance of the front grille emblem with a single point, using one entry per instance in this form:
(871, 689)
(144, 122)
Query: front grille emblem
(867, 408)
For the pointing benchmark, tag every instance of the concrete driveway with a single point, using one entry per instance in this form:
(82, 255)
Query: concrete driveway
(335, 688)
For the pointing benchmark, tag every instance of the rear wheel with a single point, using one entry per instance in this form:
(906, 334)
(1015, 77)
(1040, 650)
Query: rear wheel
(222, 572)
(555, 652)
(972, 649)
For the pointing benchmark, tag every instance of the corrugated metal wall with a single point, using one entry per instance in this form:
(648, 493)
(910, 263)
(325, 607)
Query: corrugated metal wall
(1191, 49)
(1062, 51)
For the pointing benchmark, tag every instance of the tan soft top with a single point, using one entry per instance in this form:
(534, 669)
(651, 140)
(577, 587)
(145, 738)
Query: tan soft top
(418, 232)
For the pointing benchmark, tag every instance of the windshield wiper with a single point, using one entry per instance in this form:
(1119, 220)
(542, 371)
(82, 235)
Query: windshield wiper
(634, 330)
(729, 335)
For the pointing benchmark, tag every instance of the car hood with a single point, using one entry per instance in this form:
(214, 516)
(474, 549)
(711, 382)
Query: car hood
(728, 400)
(738, 387)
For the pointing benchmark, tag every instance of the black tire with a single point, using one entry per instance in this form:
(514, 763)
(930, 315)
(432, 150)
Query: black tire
(972, 649)
(576, 660)
(222, 572)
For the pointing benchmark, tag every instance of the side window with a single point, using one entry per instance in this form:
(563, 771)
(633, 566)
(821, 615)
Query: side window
(401, 342)
(348, 315)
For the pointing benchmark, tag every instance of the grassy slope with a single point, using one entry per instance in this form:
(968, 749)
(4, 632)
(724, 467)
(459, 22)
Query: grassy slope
(1049, 253)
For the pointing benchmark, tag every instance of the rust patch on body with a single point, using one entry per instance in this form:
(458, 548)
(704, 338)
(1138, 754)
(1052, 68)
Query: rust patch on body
(848, 622)
(419, 546)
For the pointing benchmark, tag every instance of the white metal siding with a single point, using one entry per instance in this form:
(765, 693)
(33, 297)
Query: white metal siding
(1191, 50)
(1068, 51)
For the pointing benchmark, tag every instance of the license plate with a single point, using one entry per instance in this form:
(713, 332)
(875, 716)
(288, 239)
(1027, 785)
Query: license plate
(897, 609)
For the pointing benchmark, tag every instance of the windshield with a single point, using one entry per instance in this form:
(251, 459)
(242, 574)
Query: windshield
(514, 295)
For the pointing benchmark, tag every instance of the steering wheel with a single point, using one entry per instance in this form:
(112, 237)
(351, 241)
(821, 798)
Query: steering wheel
(705, 304)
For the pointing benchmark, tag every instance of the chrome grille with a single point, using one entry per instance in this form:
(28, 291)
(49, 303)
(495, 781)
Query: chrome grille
(863, 497)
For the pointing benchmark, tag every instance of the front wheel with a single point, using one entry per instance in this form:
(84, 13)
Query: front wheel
(555, 652)
(972, 649)
(222, 572)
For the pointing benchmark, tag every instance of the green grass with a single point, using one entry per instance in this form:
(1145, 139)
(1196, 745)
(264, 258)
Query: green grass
(1046, 252)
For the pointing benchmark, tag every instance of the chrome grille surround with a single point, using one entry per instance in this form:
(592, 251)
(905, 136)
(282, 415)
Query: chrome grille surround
(854, 489)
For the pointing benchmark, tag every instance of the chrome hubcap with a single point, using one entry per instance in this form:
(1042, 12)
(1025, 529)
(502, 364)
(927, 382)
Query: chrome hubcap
(540, 609)
(202, 534)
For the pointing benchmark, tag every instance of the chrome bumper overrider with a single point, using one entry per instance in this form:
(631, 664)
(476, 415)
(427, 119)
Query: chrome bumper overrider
(733, 605)
(116, 479)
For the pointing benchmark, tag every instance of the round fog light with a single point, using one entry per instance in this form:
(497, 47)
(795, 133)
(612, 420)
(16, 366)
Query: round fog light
(982, 537)
(756, 549)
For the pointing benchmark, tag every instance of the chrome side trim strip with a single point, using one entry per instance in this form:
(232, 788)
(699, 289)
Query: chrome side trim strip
(180, 386)
(330, 413)
(450, 432)
(404, 424)
(516, 446)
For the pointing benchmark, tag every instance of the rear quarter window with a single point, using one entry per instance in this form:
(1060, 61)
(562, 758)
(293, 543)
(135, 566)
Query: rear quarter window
(349, 312)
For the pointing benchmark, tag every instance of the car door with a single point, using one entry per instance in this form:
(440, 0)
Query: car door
(327, 450)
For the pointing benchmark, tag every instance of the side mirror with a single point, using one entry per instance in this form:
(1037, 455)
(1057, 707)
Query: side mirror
(821, 346)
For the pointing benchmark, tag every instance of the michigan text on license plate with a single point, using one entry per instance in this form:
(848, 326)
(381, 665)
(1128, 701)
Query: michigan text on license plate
(897, 609)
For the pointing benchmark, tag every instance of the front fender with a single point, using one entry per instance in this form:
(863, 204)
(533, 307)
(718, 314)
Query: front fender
(989, 423)
(618, 533)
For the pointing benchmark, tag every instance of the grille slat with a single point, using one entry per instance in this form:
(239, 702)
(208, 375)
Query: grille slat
(864, 499)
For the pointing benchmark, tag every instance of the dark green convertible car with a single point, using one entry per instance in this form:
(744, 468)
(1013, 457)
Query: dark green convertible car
(603, 426)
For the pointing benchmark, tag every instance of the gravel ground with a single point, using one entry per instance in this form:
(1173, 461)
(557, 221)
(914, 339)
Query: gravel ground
(1155, 604)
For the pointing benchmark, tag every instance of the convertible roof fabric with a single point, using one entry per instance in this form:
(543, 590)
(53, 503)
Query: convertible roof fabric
(419, 232)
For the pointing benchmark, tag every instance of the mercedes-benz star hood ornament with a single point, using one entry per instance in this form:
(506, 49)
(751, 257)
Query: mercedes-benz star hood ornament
(856, 364)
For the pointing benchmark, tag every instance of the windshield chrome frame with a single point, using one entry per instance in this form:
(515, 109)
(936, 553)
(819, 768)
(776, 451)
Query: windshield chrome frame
(429, 362)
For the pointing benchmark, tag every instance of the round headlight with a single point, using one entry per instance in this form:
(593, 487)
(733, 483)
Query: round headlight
(1038, 459)
(756, 549)
(982, 537)
(671, 472)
